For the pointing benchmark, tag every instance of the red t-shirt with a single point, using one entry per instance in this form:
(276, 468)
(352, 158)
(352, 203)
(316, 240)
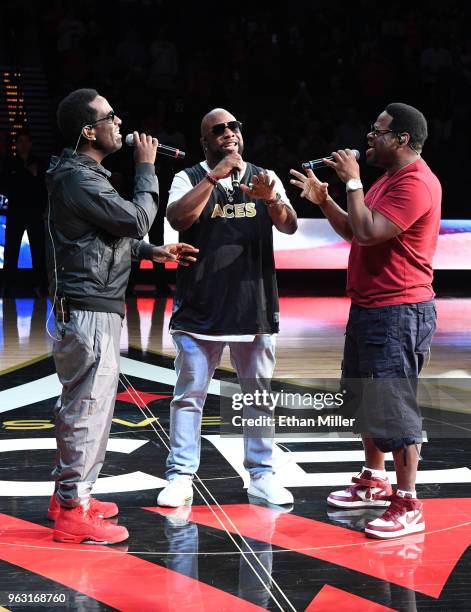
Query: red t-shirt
(399, 271)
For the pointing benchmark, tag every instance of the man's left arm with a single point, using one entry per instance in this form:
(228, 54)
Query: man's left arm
(180, 253)
(267, 186)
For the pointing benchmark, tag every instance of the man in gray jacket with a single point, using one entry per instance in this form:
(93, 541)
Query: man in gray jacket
(92, 232)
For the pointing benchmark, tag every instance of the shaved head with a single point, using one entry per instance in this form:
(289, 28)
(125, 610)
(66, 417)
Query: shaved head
(217, 115)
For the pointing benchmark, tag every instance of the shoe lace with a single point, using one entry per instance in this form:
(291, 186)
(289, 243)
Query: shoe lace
(395, 510)
(94, 517)
(354, 487)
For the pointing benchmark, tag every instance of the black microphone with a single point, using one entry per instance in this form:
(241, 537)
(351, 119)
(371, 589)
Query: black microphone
(162, 149)
(235, 178)
(320, 163)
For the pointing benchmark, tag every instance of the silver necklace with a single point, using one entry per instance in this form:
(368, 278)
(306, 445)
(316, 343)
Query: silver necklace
(228, 191)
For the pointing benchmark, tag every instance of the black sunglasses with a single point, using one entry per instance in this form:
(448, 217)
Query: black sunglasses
(109, 117)
(219, 128)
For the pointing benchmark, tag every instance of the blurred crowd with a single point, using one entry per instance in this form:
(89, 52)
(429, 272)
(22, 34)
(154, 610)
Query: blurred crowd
(305, 79)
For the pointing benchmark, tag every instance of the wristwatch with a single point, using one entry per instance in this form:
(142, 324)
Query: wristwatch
(276, 200)
(353, 184)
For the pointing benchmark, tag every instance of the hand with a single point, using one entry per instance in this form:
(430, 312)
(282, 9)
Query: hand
(312, 188)
(145, 148)
(226, 165)
(345, 164)
(262, 187)
(178, 252)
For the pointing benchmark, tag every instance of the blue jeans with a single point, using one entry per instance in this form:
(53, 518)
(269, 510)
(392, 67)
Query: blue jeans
(195, 363)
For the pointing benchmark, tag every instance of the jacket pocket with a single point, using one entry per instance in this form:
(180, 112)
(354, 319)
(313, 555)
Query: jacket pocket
(98, 260)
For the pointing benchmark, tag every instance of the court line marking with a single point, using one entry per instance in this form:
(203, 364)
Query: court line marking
(271, 580)
(367, 542)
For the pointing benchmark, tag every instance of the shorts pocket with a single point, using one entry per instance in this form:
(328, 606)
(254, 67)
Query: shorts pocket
(375, 348)
(425, 330)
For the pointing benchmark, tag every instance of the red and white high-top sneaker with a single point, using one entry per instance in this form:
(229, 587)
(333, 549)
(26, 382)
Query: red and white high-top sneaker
(404, 516)
(365, 491)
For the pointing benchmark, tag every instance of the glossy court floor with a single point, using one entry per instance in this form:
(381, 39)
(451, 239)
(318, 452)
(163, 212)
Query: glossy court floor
(226, 553)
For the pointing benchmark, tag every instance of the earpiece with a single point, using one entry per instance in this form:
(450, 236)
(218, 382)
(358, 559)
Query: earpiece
(401, 138)
(89, 127)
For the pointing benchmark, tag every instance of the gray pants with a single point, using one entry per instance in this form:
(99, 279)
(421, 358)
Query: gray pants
(87, 364)
(195, 363)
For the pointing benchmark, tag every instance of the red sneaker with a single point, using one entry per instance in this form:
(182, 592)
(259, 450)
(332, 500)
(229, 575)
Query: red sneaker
(77, 525)
(103, 509)
(365, 492)
(404, 516)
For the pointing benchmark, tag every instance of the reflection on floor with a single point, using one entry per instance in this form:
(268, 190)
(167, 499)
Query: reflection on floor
(226, 552)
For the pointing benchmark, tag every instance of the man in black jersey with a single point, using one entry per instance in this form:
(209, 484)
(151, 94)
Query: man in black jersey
(229, 297)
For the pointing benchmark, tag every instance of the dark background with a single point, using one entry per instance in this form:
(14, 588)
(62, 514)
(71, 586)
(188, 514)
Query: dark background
(305, 78)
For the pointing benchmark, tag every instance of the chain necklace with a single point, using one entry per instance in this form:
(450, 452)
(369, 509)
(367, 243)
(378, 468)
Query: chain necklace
(228, 191)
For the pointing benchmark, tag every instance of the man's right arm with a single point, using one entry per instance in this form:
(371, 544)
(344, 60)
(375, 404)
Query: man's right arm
(338, 218)
(184, 211)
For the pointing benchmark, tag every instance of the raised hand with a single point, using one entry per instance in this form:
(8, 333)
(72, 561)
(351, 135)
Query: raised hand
(226, 165)
(312, 188)
(345, 164)
(262, 187)
(145, 148)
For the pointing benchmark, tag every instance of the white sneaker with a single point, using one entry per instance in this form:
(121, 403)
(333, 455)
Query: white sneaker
(178, 492)
(268, 487)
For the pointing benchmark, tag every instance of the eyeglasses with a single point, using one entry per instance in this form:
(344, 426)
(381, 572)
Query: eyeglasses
(219, 128)
(374, 130)
(109, 117)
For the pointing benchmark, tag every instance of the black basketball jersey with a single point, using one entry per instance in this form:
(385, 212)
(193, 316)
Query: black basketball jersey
(231, 289)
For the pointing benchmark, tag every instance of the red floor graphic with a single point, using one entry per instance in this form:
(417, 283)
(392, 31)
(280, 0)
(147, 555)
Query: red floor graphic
(421, 562)
(109, 575)
(330, 598)
(141, 398)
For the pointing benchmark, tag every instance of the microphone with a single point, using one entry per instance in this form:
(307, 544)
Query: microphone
(162, 149)
(235, 178)
(319, 163)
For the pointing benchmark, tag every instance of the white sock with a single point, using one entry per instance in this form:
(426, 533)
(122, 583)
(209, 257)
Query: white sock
(377, 473)
(401, 493)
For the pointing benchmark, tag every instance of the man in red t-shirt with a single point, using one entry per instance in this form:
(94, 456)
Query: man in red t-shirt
(393, 230)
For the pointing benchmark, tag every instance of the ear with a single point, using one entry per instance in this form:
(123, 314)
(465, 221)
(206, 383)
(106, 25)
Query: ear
(403, 138)
(204, 144)
(88, 132)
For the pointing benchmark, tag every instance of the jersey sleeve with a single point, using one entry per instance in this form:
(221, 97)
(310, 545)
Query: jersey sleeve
(181, 184)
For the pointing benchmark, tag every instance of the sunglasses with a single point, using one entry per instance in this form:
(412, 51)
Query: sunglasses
(109, 117)
(220, 128)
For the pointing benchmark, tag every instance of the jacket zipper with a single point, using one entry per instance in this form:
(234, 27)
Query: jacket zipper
(110, 267)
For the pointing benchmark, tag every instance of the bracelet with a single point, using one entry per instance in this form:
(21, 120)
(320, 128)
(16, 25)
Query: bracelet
(276, 200)
(211, 179)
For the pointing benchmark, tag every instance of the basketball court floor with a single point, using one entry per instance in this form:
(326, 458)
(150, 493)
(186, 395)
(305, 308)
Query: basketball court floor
(227, 552)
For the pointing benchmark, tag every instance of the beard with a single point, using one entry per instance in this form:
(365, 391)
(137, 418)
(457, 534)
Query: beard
(220, 153)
